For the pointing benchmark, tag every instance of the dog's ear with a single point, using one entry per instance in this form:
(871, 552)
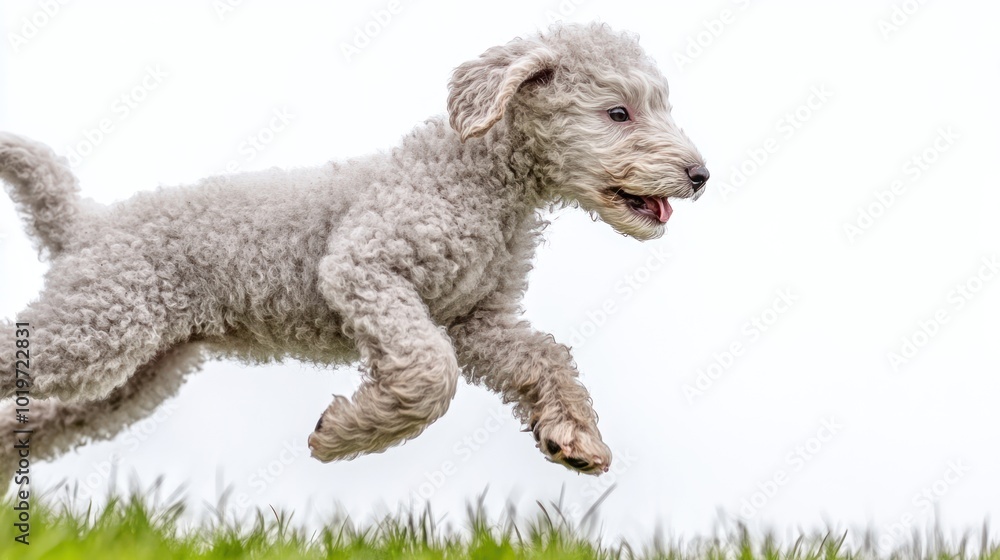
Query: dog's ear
(480, 89)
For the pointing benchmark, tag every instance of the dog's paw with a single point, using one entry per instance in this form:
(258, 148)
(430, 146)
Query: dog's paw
(576, 447)
(326, 442)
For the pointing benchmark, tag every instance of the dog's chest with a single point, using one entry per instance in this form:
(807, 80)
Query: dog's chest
(471, 286)
(480, 267)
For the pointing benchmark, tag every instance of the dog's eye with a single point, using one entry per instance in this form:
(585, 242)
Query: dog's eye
(618, 114)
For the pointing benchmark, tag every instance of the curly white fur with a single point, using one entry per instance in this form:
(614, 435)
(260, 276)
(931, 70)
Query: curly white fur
(420, 286)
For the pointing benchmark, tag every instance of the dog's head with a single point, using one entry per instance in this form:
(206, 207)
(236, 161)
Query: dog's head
(592, 109)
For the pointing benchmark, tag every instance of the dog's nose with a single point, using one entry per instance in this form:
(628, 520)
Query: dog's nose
(698, 174)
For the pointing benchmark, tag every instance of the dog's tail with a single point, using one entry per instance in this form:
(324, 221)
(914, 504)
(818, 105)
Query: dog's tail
(43, 188)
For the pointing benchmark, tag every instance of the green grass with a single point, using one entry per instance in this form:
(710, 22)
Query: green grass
(137, 527)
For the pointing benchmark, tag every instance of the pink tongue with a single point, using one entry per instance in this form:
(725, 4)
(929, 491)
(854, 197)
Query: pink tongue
(660, 207)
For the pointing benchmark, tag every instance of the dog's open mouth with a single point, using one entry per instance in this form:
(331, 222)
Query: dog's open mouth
(655, 208)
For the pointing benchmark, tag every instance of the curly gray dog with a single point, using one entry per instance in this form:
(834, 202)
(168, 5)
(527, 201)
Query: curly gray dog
(411, 262)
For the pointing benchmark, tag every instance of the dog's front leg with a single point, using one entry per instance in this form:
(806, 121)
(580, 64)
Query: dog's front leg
(411, 369)
(532, 370)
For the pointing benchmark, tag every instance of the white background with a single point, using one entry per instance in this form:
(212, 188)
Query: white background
(894, 79)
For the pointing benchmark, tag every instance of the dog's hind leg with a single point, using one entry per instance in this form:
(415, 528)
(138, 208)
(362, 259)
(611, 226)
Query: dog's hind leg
(99, 318)
(412, 372)
(9, 354)
(57, 426)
